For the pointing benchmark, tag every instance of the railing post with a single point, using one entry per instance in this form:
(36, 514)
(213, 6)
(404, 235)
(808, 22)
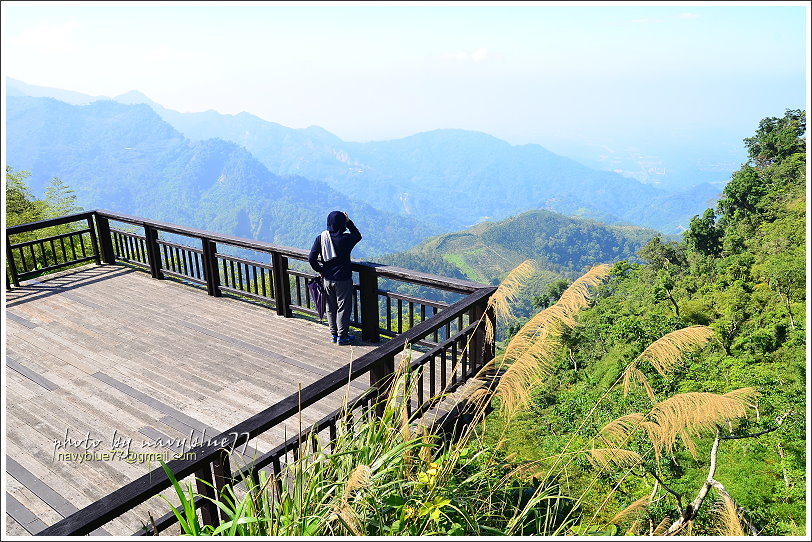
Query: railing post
(93, 241)
(212, 273)
(281, 285)
(368, 282)
(205, 487)
(108, 255)
(222, 477)
(482, 350)
(12, 266)
(381, 377)
(153, 254)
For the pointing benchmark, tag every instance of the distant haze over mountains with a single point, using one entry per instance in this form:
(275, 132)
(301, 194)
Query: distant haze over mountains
(126, 159)
(435, 181)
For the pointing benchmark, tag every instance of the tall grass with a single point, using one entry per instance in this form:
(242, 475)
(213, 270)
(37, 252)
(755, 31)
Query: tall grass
(383, 475)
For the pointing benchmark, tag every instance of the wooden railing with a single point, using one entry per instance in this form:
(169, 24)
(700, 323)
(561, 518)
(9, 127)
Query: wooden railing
(448, 341)
(32, 258)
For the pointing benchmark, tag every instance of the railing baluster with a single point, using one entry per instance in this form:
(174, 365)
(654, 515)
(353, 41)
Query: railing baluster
(53, 251)
(94, 244)
(22, 260)
(443, 369)
(388, 313)
(298, 281)
(432, 376)
(240, 283)
(43, 254)
(205, 486)
(222, 478)
(64, 253)
(400, 316)
(454, 360)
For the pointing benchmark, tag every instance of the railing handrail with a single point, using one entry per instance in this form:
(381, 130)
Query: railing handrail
(48, 222)
(386, 271)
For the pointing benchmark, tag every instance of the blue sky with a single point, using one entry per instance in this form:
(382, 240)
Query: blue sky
(559, 75)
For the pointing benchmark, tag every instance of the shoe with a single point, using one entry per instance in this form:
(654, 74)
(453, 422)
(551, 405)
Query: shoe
(346, 340)
(334, 339)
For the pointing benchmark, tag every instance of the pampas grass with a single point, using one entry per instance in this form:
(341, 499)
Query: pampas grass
(664, 354)
(529, 356)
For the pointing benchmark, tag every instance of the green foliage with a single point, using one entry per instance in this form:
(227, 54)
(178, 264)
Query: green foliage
(21, 206)
(743, 275)
(703, 234)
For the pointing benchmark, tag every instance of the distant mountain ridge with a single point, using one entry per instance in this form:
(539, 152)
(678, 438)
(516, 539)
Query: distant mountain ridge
(454, 178)
(127, 159)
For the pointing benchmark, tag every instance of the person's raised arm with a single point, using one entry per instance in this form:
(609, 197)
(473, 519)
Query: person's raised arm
(353, 229)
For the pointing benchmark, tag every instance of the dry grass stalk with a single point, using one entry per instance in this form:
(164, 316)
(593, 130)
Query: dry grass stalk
(360, 478)
(607, 458)
(507, 292)
(730, 523)
(690, 415)
(636, 506)
(634, 528)
(661, 527)
(665, 353)
(530, 354)
(617, 432)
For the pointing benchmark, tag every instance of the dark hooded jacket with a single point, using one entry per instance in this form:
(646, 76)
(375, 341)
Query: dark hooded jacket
(340, 267)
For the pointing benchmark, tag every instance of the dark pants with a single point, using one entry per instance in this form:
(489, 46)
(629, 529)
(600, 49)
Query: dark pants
(339, 306)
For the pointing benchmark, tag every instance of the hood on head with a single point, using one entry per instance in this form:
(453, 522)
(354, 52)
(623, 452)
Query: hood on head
(336, 222)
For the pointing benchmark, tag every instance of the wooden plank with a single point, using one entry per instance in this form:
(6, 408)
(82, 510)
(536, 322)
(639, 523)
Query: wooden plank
(23, 516)
(33, 376)
(44, 493)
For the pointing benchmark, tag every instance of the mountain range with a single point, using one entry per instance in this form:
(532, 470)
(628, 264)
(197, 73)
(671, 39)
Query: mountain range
(446, 179)
(127, 159)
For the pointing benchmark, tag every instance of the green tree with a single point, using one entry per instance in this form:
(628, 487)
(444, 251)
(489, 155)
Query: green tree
(786, 274)
(704, 235)
(60, 199)
(777, 138)
(21, 206)
(551, 293)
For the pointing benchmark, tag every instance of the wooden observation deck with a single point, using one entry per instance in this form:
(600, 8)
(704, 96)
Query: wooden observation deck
(109, 368)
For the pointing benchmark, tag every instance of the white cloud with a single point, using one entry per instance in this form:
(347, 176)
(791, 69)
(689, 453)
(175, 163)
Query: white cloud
(687, 16)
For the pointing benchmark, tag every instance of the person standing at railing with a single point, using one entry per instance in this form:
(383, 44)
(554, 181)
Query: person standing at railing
(330, 257)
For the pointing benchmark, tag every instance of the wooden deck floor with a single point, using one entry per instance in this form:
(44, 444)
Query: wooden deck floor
(103, 354)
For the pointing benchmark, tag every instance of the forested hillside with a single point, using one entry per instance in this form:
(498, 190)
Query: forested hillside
(126, 159)
(561, 246)
(727, 309)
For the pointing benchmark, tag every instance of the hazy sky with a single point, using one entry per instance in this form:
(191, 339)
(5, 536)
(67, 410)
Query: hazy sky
(523, 72)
